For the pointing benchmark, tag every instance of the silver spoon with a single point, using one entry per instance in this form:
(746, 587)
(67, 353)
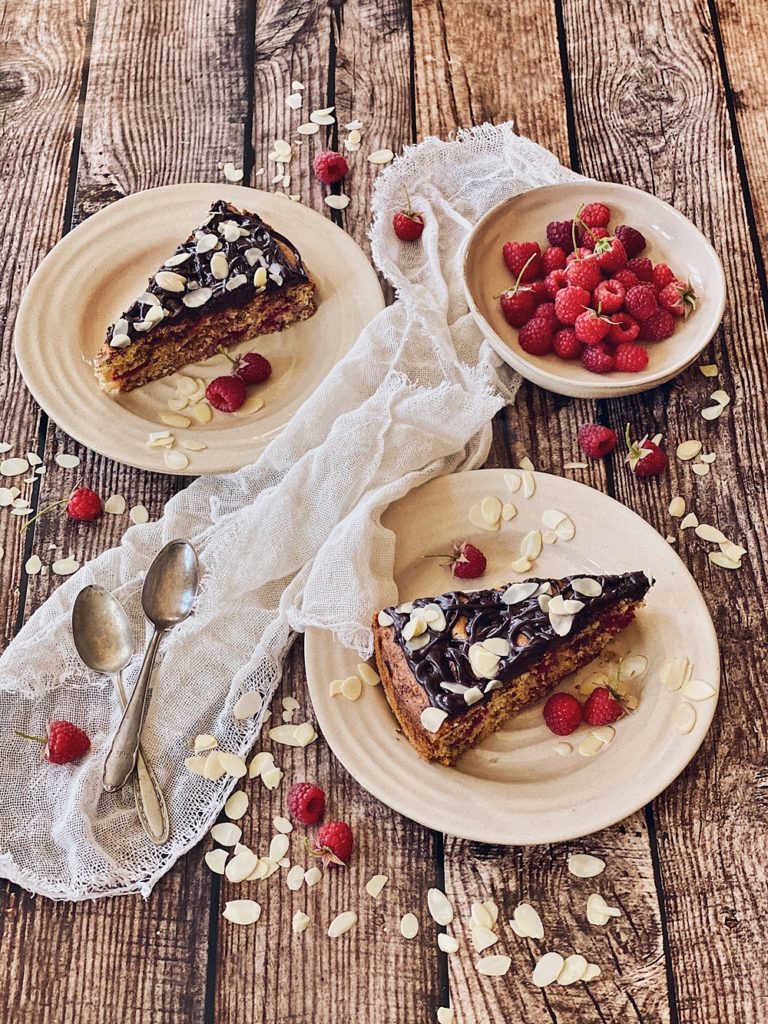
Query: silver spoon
(169, 591)
(104, 641)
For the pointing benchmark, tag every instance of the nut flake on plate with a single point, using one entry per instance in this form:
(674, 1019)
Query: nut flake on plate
(341, 924)
(242, 911)
(490, 510)
(352, 687)
(584, 865)
(530, 546)
(590, 745)
(513, 480)
(684, 718)
(698, 689)
(479, 520)
(494, 966)
(563, 749)
(375, 884)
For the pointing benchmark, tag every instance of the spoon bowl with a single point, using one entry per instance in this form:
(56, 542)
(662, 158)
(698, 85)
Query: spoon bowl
(101, 631)
(170, 586)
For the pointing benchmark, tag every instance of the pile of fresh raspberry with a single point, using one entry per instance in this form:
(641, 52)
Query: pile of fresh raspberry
(591, 295)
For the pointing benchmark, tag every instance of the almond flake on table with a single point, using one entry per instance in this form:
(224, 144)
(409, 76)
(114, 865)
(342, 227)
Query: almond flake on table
(321, 119)
(482, 938)
(709, 370)
(204, 742)
(242, 911)
(574, 968)
(689, 521)
(445, 1015)
(354, 126)
(712, 412)
(592, 972)
(33, 459)
(115, 505)
(295, 100)
(65, 566)
(295, 878)
(260, 763)
(701, 468)
(226, 833)
(4, 447)
(721, 397)
(272, 778)
(447, 943)
(232, 173)
(708, 457)
(526, 922)
(710, 533)
(309, 128)
(337, 202)
(247, 705)
(677, 507)
(312, 876)
(375, 884)
(381, 156)
(341, 924)
(66, 461)
(236, 805)
(687, 450)
(213, 769)
(33, 565)
(584, 865)
(278, 846)
(138, 514)
(300, 922)
(484, 915)
(232, 764)
(723, 561)
(494, 966)
(13, 467)
(409, 926)
(282, 825)
(241, 865)
(598, 911)
(547, 969)
(440, 907)
(216, 860)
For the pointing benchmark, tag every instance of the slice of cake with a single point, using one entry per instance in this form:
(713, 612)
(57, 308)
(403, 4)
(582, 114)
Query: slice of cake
(234, 277)
(457, 666)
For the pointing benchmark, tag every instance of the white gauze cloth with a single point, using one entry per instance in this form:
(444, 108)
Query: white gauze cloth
(294, 540)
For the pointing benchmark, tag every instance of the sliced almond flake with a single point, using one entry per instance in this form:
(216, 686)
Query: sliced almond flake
(65, 566)
(508, 511)
(285, 734)
(272, 778)
(721, 397)
(657, 438)
(241, 865)
(312, 877)
(409, 926)
(432, 718)
(290, 703)
(204, 742)
(369, 676)
(584, 865)
(447, 943)
(708, 369)
(598, 911)
(322, 119)
(445, 1014)
(633, 666)
(525, 463)
(295, 878)
(300, 922)
(294, 101)
(710, 533)
(203, 412)
(341, 924)
(677, 507)
(13, 467)
(216, 859)
(247, 705)
(278, 846)
(592, 972)
(309, 128)
(337, 202)
(138, 514)
(689, 521)
(375, 884)
(698, 689)
(530, 546)
(731, 550)
(381, 156)
(115, 505)
(196, 765)
(529, 484)
(477, 519)
(354, 126)
(33, 565)
(573, 970)
(305, 734)
(712, 412)
(176, 460)
(213, 769)
(517, 592)
(174, 419)
(587, 587)
(513, 480)
(242, 911)
(565, 530)
(66, 461)
(723, 561)
(708, 457)
(33, 459)
(590, 746)
(483, 938)
(528, 921)
(494, 966)
(549, 536)
(21, 503)
(575, 465)
(161, 442)
(352, 688)
(335, 687)
(277, 179)
(21, 511)
(490, 509)
(440, 907)
(355, 138)
(688, 450)
(604, 733)
(226, 833)
(521, 566)
(232, 764)
(563, 749)
(4, 447)
(6, 497)
(236, 806)
(701, 468)
(674, 672)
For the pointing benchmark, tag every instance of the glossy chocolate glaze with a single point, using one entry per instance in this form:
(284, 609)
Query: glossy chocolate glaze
(483, 614)
(196, 269)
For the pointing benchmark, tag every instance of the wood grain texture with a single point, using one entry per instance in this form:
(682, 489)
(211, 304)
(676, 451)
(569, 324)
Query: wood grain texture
(666, 129)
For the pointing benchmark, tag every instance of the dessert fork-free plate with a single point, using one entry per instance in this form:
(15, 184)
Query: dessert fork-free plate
(515, 788)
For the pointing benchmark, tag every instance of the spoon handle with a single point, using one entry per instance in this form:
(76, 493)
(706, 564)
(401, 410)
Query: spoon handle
(150, 802)
(121, 758)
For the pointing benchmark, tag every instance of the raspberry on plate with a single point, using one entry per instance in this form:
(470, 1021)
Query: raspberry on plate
(626, 277)
(662, 275)
(590, 327)
(562, 714)
(631, 239)
(659, 326)
(644, 457)
(602, 708)
(330, 167)
(610, 254)
(555, 281)
(678, 298)
(546, 311)
(609, 295)
(583, 274)
(466, 562)
(640, 302)
(517, 305)
(306, 803)
(64, 742)
(535, 337)
(623, 328)
(596, 215)
(589, 237)
(334, 843)
(597, 358)
(596, 441)
(523, 260)
(630, 357)
(560, 233)
(642, 267)
(570, 302)
(565, 344)
(540, 293)
(553, 259)
(226, 393)
(253, 368)
(84, 504)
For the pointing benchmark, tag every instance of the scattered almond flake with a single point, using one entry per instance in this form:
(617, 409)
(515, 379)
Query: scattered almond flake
(232, 764)
(203, 412)
(710, 533)
(721, 397)
(65, 566)
(592, 972)
(575, 465)
(701, 468)
(272, 778)
(708, 457)
(282, 825)
(633, 666)
(513, 480)
(13, 467)
(508, 511)
(295, 878)
(712, 412)
(21, 503)
(432, 718)
(241, 865)
(494, 966)
(178, 402)
(196, 765)
(689, 521)
(175, 460)
(115, 505)
(563, 749)
(236, 806)
(185, 384)
(138, 514)
(584, 865)
(66, 461)
(4, 447)
(24, 511)
(447, 943)
(529, 484)
(173, 419)
(337, 202)
(587, 587)
(530, 546)
(525, 463)
(216, 859)
(445, 1014)
(688, 450)
(242, 911)
(231, 173)
(294, 101)
(342, 924)
(674, 672)
(204, 742)
(335, 687)
(565, 530)
(590, 745)
(276, 180)
(285, 734)
(573, 970)
(483, 938)
(6, 497)
(677, 507)
(598, 911)
(484, 915)
(355, 138)
(308, 129)
(213, 769)
(520, 565)
(290, 703)
(439, 906)
(731, 550)
(723, 561)
(294, 197)
(698, 689)
(604, 733)
(368, 675)
(33, 459)
(375, 884)
(247, 705)
(477, 519)
(312, 876)
(250, 406)
(352, 688)
(260, 763)
(409, 926)
(528, 921)
(657, 439)
(321, 119)
(305, 734)
(490, 509)
(709, 370)
(161, 442)
(381, 156)
(300, 922)
(354, 126)
(33, 565)
(2, 551)
(226, 833)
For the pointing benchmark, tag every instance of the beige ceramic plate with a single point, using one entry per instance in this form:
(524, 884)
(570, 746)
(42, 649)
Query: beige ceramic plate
(98, 269)
(515, 788)
(671, 239)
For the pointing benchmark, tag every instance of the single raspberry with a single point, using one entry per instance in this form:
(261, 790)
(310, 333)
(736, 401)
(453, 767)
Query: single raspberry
(631, 239)
(64, 742)
(678, 298)
(540, 293)
(562, 714)
(517, 305)
(658, 326)
(535, 337)
(330, 167)
(84, 504)
(226, 393)
(602, 708)
(640, 302)
(644, 458)
(610, 254)
(626, 277)
(589, 237)
(609, 295)
(581, 253)
(569, 303)
(547, 311)
(552, 259)
(662, 275)
(466, 562)
(334, 843)
(641, 266)
(623, 328)
(523, 260)
(590, 327)
(630, 357)
(306, 803)
(596, 441)
(583, 274)
(597, 358)
(560, 234)
(253, 368)
(407, 223)
(566, 345)
(595, 215)
(555, 281)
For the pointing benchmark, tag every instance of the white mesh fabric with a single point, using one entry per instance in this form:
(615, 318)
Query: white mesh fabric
(292, 541)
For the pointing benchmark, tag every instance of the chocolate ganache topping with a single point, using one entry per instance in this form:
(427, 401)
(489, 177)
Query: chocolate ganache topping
(233, 256)
(463, 646)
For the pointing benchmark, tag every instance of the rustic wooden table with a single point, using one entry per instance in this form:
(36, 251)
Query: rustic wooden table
(100, 98)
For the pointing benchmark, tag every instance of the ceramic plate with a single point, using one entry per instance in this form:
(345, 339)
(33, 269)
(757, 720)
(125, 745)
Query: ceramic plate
(671, 239)
(99, 268)
(514, 788)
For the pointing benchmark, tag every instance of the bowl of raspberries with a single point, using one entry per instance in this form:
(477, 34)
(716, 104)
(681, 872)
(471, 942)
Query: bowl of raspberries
(593, 289)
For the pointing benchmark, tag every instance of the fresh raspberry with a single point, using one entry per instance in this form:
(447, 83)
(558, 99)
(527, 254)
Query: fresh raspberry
(640, 302)
(253, 368)
(535, 337)
(517, 305)
(662, 275)
(644, 457)
(596, 441)
(466, 562)
(658, 326)
(581, 253)
(641, 266)
(631, 239)
(306, 803)
(226, 393)
(64, 742)
(609, 295)
(408, 225)
(566, 345)
(560, 234)
(552, 259)
(678, 298)
(610, 254)
(330, 167)
(562, 714)
(583, 274)
(589, 237)
(334, 843)
(624, 328)
(547, 311)
(555, 281)
(602, 708)
(591, 328)
(627, 278)
(540, 293)
(596, 215)
(597, 358)
(630, 357)
(523, 260)
(84, 504)
(569, 303)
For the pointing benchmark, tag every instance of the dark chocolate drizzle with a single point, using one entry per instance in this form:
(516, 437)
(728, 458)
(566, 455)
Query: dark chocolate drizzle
(524, 625)
(196, 270)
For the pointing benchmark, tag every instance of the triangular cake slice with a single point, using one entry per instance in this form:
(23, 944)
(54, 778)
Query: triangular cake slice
(457, 666)
(234, 277)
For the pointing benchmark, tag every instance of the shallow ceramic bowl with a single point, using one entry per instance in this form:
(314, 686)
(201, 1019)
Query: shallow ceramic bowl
(671, 239)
